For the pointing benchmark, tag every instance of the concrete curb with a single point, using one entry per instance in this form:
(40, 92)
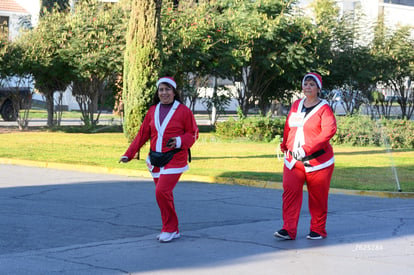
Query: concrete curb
(189, 177)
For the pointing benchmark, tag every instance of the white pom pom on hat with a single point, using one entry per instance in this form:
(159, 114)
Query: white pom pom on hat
(167, 79)
(317, 77)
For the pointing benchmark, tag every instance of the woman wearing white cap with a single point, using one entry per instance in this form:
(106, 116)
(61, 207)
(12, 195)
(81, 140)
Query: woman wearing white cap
(172, 130)
(309, 158)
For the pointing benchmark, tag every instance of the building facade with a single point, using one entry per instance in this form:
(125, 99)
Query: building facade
(396, 12)
(11, 13)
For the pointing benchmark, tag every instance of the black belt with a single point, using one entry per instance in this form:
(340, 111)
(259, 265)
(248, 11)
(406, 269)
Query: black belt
(311, 156)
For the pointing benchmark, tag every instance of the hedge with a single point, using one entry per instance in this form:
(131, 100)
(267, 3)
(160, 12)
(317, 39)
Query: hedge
(352, 130)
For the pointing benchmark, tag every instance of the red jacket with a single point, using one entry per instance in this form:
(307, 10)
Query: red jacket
(312, 133)
(179, 123)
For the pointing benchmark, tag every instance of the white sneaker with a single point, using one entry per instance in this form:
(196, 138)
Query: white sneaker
(158, 236)
(166, 237)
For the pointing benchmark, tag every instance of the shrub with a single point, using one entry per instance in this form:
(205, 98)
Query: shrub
(362, 131)
(254, 129)
(357, 131)
(399, 133)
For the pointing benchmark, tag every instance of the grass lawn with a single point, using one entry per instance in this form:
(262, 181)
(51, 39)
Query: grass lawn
(360, 168)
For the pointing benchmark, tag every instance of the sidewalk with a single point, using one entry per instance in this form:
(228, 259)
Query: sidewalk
(104, 120)
(57, 221)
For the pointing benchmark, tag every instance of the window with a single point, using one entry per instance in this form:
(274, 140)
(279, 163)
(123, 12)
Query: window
(400, 2)
(4, 26)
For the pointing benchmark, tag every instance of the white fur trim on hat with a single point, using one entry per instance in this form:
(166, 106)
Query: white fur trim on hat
(316, 77)
(167, 79)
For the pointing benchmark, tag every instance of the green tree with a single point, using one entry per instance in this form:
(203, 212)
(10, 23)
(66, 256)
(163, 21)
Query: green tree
(394, 52)
(42, 58)
(195, 49)
(13, 72)
(274, 47)
(326, 20)
(344, 53)
(241, 24)
(291, 55)
(141, 63)
(352, 70)
(254, 44)
(95, 53)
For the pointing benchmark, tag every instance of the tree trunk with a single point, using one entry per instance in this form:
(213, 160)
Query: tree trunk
(50, 109)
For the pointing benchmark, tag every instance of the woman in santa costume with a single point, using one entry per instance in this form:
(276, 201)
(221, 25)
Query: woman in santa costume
(170, 126)
(309, 158)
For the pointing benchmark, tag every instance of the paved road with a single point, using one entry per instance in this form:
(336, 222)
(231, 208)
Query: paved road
(65, 122)
(67, 222)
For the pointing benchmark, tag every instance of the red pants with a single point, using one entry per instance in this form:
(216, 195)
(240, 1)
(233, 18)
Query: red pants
(318, 188)
(164, 186)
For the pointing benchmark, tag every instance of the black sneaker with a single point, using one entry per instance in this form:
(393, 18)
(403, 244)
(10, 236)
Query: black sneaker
(283, 234)
(314, 236)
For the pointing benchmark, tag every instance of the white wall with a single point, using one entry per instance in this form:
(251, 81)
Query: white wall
(33, 7)
(13, 23)
(394, 14)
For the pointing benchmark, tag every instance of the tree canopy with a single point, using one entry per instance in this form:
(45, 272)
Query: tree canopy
(263, 47)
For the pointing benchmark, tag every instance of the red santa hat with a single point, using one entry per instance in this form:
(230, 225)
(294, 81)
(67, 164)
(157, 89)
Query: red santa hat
(167, 79)
(317, 77)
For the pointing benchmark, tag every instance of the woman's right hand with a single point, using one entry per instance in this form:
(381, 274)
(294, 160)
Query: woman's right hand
(172, 143)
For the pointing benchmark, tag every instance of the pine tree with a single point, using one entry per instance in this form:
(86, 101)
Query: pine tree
(142, 62)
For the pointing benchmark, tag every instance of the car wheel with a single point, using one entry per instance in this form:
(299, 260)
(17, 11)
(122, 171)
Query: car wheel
(8, 112)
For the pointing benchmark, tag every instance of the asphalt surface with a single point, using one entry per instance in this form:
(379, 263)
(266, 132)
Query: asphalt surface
(35, 122)
(57, 221)
(64, 122)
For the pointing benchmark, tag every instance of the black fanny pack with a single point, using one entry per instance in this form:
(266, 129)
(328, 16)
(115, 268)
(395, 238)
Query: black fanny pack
(161, 159)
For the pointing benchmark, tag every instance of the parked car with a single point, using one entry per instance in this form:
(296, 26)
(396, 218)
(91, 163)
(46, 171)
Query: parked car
(12, 100)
